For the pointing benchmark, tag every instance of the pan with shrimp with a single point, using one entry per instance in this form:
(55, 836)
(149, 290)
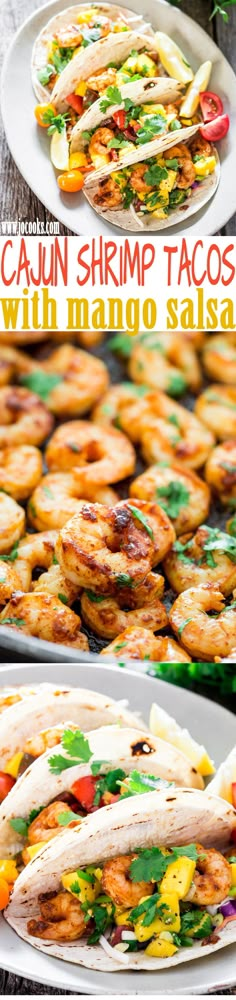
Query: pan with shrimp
(145, 883)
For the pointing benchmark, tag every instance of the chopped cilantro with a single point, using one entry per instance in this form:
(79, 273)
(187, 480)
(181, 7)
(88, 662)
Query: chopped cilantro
(143, 520)
(41, 382)
(76, 746)
(172, 498)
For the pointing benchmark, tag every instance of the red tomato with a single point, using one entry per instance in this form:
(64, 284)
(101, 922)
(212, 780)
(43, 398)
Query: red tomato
(234, 793)
(119, 118)
(216, 129)
(76, 102)
(211, 105)
(84, 790)
(6, 783)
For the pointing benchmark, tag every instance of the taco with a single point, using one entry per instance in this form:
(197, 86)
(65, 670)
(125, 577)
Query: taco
(134, 885)
(71, 32)
(84, 774)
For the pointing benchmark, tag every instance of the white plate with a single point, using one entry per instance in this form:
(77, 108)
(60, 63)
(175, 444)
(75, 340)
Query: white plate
(210, 724)
(29, 144)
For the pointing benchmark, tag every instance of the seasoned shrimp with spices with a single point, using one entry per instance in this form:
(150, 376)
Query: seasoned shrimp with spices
(165, 428)
(20, 470)
(139, 644)
(97, 456)
(124, 394)
(186, 172)
(208, 557)
(203, 634)
(140, 606)
(165, 361)
(117, 884)
(45, 617)
(9, 581)
(46, 825)
(82, 380)
(102, 79)
(54, 582)
(216, 407)
(108, 195)
(99, 142)
(34, 551)
(12, 522)
(220, 472)
(137, 181)
(212, 878)
(62, 918)
(182, 494)
(219, 357)
(24, 418)
(105, 548)
(57, 498)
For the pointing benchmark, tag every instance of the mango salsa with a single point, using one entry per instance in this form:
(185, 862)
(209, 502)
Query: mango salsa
(178, 877)
(170, 920)
(13, 765)
(87, 890)
(160, 949)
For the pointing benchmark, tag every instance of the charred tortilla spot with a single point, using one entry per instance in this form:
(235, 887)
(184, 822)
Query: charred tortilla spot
(142, 747)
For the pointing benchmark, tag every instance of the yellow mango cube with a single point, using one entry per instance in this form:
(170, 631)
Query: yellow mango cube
(170, 920)
(233, 873)
(8, 870)
(159, 213)
(178, 877)
(168, 183)
(77, 160)
(87, 890)
(87, 15)
(81, 89)
(13, 765)
(205, 166)
(100, 159)
(30, 852)
(160, 949)
(122, 917)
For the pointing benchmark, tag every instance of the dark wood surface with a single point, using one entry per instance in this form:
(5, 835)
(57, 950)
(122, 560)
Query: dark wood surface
(17, 201)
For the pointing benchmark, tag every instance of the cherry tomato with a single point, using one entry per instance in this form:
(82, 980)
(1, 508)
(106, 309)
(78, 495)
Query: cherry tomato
(75, 102)
(211, 105)
(6, 783)
(119, 118)
(84, 790)
(234, 794)
(216, 129)
(71, 181)
(40, 111)
(4, 893)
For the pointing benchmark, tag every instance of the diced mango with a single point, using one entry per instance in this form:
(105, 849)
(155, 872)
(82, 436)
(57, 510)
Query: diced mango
(86, 15)
(159, 213)
(170, 920)
(13, 765)
(30, 852)
(168, 183)
(81, 89)
(154, 109)
(178, 877)
(122, 917)
(100, 159)
(8, 870)
(87, 891)
(160, 949)
(233, 873)
(205, 166)
(77, 160)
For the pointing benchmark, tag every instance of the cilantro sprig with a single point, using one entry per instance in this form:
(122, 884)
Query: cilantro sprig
(151, 864)
(143, 520)
(41, 382)
(172, 498)
(77, 748)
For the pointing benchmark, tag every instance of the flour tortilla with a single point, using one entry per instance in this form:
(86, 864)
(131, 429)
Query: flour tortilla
(113, 48)
(160, 90)
(63, 20)
(87, 709)
(119, 747)
(168, 818)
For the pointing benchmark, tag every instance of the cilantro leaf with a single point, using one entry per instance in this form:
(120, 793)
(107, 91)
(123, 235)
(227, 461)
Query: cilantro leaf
(95, 598)
(181, 627)
(41, 382)
(136, 784)
(143, 520)
(172, 498)
(65, 818)
(20, 826)
(45, 74)
(152, 863)
(112, 96)
(11, 555)
(76, 746)
(154, 174)
(13, 621)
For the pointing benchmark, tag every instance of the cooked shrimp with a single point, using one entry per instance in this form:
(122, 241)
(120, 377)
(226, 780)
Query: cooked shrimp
(216, 407)
(167, 429)
(141, 606)
(139, 644)
(219, 357)
(24, 459)
(109, 194)
(117, 884)
(220, 471)
(45, 617)
(24, 419)
(100, 141)
(182, 494)
(34, 550)
(212, 878)
(190, 563)
(82, 380)
(108, 411)
(203, 636)
(58, 497)
(46, 739)
(137, 181)
(97, 456)
(46, 825)
(101, 80)
(199, 146)
(9, 581)
(12, 363)
(186, 173)
(68, 37)
(62, 918)
(103, 546)
(54, 582)
(12, 522)
(165, 361)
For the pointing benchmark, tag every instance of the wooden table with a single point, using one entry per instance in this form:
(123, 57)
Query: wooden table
(17, 201)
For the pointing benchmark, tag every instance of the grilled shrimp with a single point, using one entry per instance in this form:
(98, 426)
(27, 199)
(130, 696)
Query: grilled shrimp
(46, 739)
(69, 37)
(216, 407)
(117, 884)
(45, 617)
(186, 173)
(62, 918)
(105, 548)
(13, 461)
(165, 361)
(189, 563)
(12, 522)
(167, 429)
(219, 357)
(109, 194)
(212, 878)
(137, 181)
(139, 644)
(34, 550)
(101, 80)
(54, 582)
(9, 581)
(82, 379)
(46, 825)
(100, 140)
(58, 497)
(182, 494)
(199, 146)
(109, 409)
(220, 471)
(24, 418)
(97, 457)
(141, 607)
(204, 636)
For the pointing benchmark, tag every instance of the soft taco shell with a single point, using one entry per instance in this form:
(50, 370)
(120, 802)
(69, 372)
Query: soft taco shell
(162, 90)
(113, 48)
(120, 748)
(87, 709)
(63, 20)
(168, 818)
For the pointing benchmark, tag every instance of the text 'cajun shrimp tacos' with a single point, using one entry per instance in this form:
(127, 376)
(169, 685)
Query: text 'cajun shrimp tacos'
(71, 32)
(86, 773)
(141, 884)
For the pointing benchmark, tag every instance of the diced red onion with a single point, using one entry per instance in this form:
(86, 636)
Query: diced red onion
(228, 909)
(195, 184)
